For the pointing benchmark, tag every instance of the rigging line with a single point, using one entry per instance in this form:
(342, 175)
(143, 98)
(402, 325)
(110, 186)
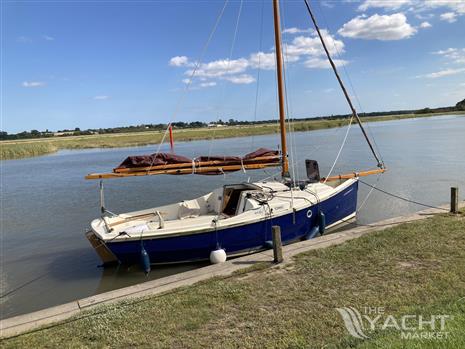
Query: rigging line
(288, 117)
(258, 72)
(354, 112)
(290, 122)
(340, 149)
(189, 82)
(369, 193)
(14, 290)
(375, 225)
(402, 198)
(19, 287)
(231, 50)
(346, 72)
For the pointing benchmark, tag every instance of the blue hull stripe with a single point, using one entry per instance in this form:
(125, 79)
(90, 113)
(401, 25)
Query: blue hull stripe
(238, 239)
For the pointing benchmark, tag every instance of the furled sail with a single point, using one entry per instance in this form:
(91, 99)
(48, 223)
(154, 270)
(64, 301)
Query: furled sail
(169, 163)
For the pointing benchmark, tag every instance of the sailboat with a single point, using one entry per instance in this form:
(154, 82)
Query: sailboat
(236, 218)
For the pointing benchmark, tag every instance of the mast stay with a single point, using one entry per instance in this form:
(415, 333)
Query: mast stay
(341, 84)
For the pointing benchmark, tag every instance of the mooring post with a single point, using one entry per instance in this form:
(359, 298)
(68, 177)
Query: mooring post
(454, 200)
(277, 244)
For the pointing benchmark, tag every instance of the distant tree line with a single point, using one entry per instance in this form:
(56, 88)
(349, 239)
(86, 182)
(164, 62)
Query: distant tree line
(460, 106)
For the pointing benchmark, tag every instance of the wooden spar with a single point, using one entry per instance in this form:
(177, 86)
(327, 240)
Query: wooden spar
(264, 159)
(187, 170)
(279, 73)
(353, 175)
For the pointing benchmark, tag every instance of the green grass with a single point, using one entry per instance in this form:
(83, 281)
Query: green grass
(34, 147)
(415, 268)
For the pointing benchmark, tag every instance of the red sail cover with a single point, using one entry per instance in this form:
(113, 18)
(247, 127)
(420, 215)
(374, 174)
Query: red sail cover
(157, 161)
(153, 160)
(260, 152)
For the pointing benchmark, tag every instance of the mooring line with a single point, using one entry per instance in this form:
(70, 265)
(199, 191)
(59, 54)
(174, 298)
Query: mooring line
(402, 198)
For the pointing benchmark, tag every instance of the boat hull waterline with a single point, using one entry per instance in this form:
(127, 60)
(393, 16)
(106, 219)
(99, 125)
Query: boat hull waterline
(239, 239)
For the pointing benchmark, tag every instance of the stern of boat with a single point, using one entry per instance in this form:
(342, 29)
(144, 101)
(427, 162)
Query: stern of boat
(101, 248)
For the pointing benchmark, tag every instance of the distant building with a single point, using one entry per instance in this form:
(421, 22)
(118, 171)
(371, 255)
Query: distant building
(215, 125)
(67, 133)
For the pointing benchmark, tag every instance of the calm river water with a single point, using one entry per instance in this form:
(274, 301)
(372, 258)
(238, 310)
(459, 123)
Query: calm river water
(47, 204)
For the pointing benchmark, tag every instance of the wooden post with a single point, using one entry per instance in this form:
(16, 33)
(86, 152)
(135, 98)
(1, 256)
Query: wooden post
(454, 200)
(277, 244)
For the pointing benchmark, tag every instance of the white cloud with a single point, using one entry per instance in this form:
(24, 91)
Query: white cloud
(423, 16)
(328, 90)
(442, 73)
(425, 25)
(311, 46)
(48, 38)
(378, 27)
(263, 60)
(23, 39)
(321, 63)
(220, 68)
(295, 30)
(208, 84)
(454, 55)
(450, 17)
(305, 49)
(328, 4)
(29, 84)
(101, 98)
(457, 6)
(179, 61)
(386, 4)
(240, 79)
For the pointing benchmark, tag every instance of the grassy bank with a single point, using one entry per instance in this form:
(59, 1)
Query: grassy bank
(34, 147)
(414, 268)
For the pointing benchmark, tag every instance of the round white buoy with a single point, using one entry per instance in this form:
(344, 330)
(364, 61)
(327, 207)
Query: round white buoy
(218, 256)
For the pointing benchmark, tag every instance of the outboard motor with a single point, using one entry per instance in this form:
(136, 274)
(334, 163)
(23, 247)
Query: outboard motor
(313, 171)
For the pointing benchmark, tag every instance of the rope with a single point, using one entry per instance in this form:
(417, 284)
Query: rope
(346, 72)
(14, 290)
(291, 137)
(340, 149)
(341, 84)
(231, 50)
(260, 45)
(186, 89)
(369, 193)
(402, 198)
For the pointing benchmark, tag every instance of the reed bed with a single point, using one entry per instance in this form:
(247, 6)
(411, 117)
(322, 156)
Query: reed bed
(23, 150)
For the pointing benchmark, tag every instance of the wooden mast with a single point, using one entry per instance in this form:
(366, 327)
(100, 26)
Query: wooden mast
(279, 73)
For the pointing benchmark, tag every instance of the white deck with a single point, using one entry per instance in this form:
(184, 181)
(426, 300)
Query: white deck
(207, 212)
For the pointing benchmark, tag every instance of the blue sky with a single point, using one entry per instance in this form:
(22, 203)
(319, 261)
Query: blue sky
(92, 64)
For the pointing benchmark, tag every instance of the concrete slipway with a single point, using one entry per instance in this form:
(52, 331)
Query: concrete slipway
(48, 317)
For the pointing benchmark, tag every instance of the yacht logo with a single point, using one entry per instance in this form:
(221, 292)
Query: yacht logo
(353, 321)
(409, 326)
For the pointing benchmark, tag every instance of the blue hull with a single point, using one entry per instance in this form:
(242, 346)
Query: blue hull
(239, 239)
